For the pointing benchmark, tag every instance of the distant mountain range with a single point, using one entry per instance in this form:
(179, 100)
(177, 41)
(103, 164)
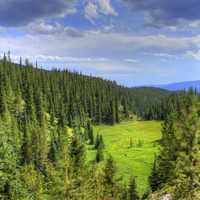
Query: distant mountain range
(181, 86)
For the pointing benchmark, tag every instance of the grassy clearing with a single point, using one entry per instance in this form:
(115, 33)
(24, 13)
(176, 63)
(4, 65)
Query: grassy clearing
(132, 145)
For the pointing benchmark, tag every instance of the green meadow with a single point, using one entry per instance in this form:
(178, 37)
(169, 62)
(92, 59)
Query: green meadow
(133, 146)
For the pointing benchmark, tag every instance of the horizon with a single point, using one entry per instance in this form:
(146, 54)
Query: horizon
(130, 42)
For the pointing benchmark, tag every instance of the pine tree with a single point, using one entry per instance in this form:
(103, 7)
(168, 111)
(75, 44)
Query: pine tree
(99, 154)
(101, 142)
(132, 193)
(99, 110)
(113, 113)
(154, 178)
(76, 154)
(39, 107)
(9, 157)
(26, 148)
(97, 141)
(110, 172)
(179, 157)
(90, 133)
(117, 110)
(125, 107)
(3, 106)
(52, 154)
(76, 169)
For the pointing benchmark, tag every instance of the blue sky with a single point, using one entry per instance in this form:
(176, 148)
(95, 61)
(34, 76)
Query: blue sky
(135, 42)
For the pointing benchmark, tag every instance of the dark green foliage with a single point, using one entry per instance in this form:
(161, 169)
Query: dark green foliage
(110, 172)
(2, 101)
(132, 193)
(99, 142)
(154, 178)
(177, 166)
(76, 154)
(99, 154)
(90, 133)
(46, 118)
(52, 151)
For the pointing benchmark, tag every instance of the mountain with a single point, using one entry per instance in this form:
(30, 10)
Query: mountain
(181, 86)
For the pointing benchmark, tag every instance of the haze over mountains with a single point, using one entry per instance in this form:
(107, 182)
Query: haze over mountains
(181, 86)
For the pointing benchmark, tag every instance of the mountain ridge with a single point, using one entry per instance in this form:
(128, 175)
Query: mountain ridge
(178, 86)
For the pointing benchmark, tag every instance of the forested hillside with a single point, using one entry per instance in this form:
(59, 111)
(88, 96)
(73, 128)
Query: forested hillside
(45, 122)
(73, 96)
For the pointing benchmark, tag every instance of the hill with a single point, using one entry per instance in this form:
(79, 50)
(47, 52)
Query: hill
(182, 86)
(46, 120)
(84, 96)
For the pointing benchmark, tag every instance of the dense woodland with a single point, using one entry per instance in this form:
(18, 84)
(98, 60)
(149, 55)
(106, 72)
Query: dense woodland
(176, 169)
(46, 120)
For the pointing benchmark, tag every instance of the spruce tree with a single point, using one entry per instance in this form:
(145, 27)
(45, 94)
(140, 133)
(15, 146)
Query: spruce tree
(3, 106)
(97, 141)
(99, 154)
(132, 192)
(154, 178)
(90, 133)
(179, 157)
(110, 173)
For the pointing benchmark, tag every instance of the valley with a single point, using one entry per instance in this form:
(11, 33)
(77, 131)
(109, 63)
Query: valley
(133, 145)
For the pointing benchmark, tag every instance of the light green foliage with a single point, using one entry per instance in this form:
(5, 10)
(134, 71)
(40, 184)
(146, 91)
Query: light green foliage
(178, 163)
(44, 132)
(136, 161)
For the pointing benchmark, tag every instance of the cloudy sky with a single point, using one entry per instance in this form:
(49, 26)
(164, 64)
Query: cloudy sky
(135, 42)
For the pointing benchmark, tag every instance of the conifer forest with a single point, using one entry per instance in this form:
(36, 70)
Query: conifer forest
(99, 100)
(46, 126)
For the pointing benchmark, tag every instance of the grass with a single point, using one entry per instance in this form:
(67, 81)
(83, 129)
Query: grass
(133, 146)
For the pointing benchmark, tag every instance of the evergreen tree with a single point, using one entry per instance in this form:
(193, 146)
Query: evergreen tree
(112, 112)
(52, 154)
(99, 154)
(132, 193)
(3, 106)
(90, 133)
(125, 107)
(154, 178)
(76, 168)
(99, 143)
(117, 110)
(179, 157)
(110, 181)
(26, 148)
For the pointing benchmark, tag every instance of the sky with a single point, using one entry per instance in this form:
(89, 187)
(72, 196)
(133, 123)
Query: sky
(135, 42)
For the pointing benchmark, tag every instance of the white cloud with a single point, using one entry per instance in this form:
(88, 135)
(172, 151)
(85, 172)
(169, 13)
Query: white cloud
(59, 60)
(195, 24)
(164, 56)
(194, 55)
(96, 8)
(97, 44)
(111, 55)
(106, 8)
(131, 60)
(43, 28)
(105, 53)
(91, 11)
